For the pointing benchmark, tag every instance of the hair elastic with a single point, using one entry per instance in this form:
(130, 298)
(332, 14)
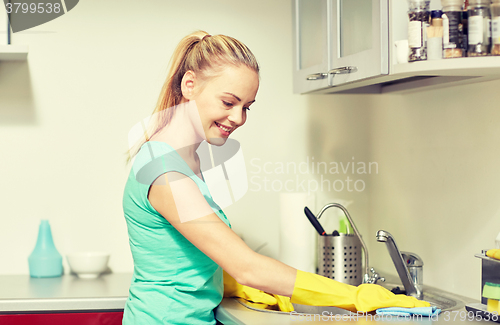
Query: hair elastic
(208, 35)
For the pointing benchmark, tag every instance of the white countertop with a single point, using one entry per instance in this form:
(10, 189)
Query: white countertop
(22, 293)
(231, 312)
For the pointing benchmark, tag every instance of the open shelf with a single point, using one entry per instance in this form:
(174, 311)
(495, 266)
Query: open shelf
(424, 75)
(13, 52)
(473, 66)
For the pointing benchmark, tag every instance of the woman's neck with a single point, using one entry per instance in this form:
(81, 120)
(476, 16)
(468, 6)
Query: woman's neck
(184, 131)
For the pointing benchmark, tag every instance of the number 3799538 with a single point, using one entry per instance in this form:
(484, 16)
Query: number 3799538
(462, 315)
(40, 8)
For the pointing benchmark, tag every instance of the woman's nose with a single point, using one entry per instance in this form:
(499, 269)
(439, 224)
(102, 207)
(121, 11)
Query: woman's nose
(237, 116)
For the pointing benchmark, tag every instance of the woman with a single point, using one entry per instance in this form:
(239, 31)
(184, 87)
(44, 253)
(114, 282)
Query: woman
(180, 239)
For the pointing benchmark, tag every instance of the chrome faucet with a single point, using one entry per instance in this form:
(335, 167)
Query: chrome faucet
(366, 276)
(408, 265)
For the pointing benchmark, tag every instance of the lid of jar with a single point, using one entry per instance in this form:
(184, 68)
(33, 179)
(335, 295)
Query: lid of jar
(436, 19)
(452, 3)
(479, 2)
(437, 13)
(419, 2)
(419, 5)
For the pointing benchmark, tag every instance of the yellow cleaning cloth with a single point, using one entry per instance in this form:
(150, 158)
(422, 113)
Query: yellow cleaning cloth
(493, 253)
(315, 290)
(256, 298)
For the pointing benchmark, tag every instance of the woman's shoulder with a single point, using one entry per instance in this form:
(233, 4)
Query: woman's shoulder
(155, 158)
(152, 150)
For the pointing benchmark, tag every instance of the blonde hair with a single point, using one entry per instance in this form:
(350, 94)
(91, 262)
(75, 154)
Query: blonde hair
(203, 54)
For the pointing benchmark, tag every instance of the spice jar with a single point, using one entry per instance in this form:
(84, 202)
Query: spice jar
(435, 36)
(495, 27)
(465, 31)
(465, 27)
(452, 28)
(418, 14)
(479, 27)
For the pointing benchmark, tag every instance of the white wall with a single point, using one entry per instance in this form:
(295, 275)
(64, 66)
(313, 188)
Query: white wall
(438, 183)
(90, 76)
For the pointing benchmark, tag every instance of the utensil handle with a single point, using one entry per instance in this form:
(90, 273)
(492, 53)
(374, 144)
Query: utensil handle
(314, 221)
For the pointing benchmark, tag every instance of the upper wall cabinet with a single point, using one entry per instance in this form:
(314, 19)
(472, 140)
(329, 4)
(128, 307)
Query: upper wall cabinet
(347, 46)
(338, 42)
(311, 45)
(359, 40)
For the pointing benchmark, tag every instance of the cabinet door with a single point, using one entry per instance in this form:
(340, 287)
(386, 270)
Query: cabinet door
(360, 38)
(310, 45)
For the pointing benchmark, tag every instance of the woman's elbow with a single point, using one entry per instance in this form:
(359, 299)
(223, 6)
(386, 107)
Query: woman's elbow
(244, 272)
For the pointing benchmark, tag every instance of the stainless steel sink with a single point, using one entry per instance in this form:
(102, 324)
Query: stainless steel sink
(441, 299)
(300, 309)
(442, 303)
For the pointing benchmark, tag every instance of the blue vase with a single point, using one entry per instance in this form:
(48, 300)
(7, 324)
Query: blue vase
(45, 261)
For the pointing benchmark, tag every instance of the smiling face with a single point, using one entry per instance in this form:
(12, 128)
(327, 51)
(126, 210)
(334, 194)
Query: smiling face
(223, 100)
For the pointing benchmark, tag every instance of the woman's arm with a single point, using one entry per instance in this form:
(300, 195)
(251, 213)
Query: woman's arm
(180, 200)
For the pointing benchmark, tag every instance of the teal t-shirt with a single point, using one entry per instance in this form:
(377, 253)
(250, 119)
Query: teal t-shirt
(173, 281)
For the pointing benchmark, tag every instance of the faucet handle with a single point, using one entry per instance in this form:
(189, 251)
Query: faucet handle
(415, 265)
(412, 259)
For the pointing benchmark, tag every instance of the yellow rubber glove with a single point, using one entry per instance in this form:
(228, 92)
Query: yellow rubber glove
(316, 290)
(257, 298)
(284, 303)
(493, 253)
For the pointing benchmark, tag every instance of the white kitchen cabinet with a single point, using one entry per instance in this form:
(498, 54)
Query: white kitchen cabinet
(311, 45)
(359, 40)
(357, 54)
(338, 42)
(9, 52)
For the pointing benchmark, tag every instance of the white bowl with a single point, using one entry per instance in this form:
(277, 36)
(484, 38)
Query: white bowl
(88, 265)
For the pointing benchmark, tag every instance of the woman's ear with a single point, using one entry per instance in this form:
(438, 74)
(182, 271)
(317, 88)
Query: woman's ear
(188, 84)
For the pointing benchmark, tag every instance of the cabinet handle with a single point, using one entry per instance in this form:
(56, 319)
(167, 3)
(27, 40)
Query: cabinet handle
(343, 70)
(317, 76)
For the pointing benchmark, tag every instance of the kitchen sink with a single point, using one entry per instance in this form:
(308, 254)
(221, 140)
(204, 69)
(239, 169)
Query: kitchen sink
(300, 309)
(441, 299)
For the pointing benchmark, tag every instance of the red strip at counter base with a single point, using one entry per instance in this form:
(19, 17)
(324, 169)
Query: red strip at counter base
(104, 318)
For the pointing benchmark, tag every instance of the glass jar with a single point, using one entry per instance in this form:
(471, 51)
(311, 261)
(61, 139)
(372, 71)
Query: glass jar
(465, 31)
(495, 27)
(452, 29)
(479, 28)
(465, 27)
(419, 15)
(435, 36)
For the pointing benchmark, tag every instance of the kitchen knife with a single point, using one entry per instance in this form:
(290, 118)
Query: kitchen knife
(314, 221)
